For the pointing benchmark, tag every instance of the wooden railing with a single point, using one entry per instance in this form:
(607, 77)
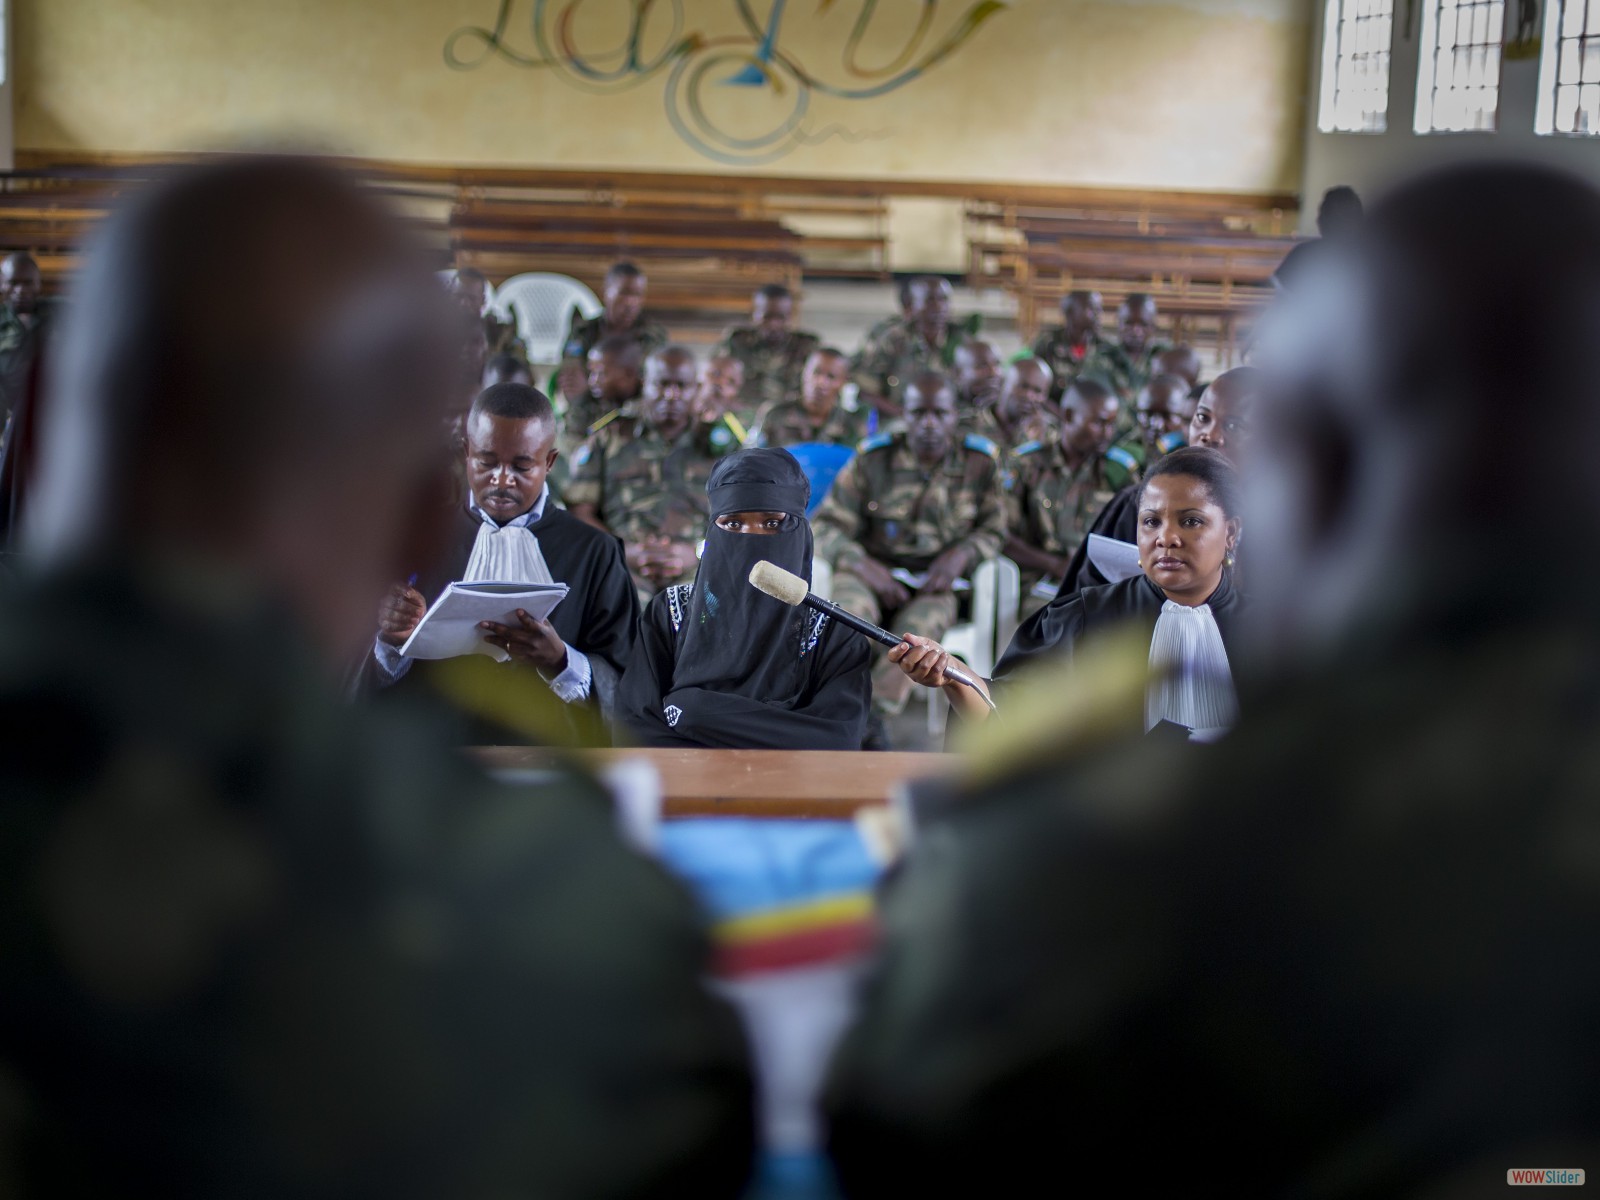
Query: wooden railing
(707, 240)
(1208, 270)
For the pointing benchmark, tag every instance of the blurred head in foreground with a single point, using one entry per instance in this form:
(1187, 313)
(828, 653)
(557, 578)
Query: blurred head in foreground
(1308, 943)
(251, 384)
(256, 940)
(1427, 430)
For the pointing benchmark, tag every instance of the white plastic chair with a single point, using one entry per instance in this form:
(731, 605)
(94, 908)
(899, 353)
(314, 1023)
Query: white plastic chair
(542, 305)
(996, 597)
(822, 579)
(1008, 606)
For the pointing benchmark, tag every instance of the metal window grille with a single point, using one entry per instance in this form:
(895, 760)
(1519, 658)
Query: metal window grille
(1569, 73)
(1355, 66)
(1458, 77)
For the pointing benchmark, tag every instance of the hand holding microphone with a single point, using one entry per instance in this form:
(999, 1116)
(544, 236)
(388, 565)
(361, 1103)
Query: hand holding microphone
(788, 587)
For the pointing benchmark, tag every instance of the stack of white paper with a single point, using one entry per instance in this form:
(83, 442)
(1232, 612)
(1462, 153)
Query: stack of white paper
(918, 581)
(1116, 560)
(449, 628)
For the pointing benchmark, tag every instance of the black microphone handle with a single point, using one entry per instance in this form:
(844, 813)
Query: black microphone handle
(878, 634)
(846, 617)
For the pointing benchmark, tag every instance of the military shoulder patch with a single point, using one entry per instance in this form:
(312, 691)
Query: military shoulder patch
(1123, 458)
(580, 455)
(877, 442)
(981, 444)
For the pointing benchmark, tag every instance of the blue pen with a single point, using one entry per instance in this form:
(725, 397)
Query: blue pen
(412, 582)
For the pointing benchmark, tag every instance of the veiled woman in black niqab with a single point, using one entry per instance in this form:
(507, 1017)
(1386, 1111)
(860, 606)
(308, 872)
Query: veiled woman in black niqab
(718, 663)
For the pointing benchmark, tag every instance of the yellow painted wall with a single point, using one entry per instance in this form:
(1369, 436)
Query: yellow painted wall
(1160, 93)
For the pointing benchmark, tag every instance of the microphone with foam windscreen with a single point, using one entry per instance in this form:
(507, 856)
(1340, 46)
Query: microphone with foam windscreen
(783, 585)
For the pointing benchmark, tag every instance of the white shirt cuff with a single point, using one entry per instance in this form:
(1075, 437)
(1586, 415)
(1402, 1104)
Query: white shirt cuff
(573, 684)
(390, 661)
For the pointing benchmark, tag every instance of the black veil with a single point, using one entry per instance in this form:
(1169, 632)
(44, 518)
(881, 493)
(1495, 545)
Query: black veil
(720, 664)
(735, 640)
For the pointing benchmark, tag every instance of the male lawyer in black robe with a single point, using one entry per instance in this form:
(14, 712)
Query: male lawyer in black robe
(508, 530)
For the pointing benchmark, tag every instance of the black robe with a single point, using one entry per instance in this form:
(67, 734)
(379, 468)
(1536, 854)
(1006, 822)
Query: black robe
(830, 714)
(1056, 629)
(1119, 519)
(598, 616)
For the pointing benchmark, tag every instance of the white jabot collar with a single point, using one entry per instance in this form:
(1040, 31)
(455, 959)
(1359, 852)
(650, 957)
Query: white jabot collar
(508, 553)
(1191, 683)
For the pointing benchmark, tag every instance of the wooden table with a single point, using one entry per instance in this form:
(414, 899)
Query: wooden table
(751, 783)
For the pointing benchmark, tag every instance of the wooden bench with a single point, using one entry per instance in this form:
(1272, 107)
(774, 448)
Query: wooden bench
(734, 226)
(711, 238)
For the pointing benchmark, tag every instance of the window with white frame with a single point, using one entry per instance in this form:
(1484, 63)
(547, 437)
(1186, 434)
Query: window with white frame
(1569, 69)
(1458, 75)
(1356, 38)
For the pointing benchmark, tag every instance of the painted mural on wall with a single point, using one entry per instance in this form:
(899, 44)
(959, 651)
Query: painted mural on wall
(742, 98)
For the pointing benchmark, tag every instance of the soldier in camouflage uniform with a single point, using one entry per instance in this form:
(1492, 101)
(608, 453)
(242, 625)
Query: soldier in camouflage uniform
(1161, 420)
(1183, 362)
(644, 478)
(1131, 360)
(977, 375)
(818, 415)
(259, 941)
(623, 295)
(506, 368)
(26, 321)
(926, 500)
(470, 287)
(616, 370)
(903, 299)
(1056, 488)
(925, 339)
(615, 375)
(773, 352)
(1074, 347)
(717, 415)
(1019, 413)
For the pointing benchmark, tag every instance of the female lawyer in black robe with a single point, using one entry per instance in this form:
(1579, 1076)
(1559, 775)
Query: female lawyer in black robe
(1221, 421)
(1184, 601)
(717, 663)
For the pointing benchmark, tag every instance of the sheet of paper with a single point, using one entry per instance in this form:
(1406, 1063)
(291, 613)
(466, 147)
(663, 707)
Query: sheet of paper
(915, 582)
(1114, 559)
(449, 629)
